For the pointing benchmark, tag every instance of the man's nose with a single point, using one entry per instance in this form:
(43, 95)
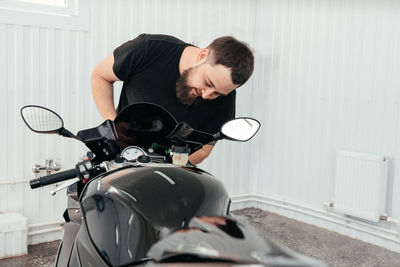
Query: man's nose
(206, 93)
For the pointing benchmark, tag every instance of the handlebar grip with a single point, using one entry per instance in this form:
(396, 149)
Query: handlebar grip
(53, 178)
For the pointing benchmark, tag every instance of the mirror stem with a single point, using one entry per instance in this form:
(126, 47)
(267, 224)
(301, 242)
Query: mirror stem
(66, 133)
(217, 136)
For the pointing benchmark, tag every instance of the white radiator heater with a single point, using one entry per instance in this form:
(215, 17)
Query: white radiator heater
(360, 185)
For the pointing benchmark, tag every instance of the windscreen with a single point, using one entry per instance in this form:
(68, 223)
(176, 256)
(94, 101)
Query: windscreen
(142, 124)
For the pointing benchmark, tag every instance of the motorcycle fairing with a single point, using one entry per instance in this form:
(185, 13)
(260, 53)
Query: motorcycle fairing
(146, 203)
(141, 124)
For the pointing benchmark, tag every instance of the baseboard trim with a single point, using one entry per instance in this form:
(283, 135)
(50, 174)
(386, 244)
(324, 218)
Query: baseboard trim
(382, 234)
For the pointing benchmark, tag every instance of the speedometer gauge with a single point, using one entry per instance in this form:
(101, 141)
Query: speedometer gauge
(132, 153)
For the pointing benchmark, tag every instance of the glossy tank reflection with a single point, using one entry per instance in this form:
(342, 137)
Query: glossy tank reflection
(146, 203)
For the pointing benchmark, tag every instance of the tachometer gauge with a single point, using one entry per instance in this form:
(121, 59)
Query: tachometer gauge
(132, 153)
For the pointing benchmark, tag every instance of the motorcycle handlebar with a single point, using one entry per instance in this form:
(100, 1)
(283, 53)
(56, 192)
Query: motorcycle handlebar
(53, 178)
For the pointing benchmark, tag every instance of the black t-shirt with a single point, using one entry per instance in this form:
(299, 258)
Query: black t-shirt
(149, 67)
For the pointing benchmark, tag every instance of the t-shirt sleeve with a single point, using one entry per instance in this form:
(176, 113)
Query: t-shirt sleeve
(130, 56)
(226, 111)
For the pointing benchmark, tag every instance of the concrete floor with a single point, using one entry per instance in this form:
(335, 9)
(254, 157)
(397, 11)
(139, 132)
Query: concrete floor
(38, 255)
(332, 248)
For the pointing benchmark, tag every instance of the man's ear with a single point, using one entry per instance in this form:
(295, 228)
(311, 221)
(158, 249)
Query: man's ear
(203, 55)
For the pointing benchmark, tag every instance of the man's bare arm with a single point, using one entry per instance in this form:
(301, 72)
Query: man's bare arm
(103, 78)
(200, 154)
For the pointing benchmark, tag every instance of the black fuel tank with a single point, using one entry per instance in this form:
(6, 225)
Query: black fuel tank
(128, 210)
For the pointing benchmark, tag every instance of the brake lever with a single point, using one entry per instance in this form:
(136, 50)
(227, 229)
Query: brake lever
(64, 185)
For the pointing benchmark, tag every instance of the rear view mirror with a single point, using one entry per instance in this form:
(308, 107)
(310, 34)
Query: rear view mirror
(41, 120)
(240, 129)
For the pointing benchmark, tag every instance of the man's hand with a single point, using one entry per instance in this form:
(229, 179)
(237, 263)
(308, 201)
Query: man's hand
(103, 78)
(200, 154)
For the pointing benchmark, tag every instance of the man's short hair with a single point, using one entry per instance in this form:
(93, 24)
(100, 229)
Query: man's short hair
(235, 55)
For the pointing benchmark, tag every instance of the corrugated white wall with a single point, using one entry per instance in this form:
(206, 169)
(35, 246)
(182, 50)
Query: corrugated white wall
(45, 66)
(326, 77)
(329, 79)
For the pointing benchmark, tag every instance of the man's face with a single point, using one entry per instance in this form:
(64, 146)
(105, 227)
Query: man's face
(204, 82)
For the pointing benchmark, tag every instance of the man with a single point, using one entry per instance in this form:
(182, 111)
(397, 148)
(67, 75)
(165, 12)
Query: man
(195, 85)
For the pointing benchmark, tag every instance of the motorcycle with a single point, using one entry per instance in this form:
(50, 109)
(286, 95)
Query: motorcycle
(137, 200)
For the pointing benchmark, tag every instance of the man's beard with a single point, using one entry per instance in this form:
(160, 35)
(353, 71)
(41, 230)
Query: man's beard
(183, 91)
